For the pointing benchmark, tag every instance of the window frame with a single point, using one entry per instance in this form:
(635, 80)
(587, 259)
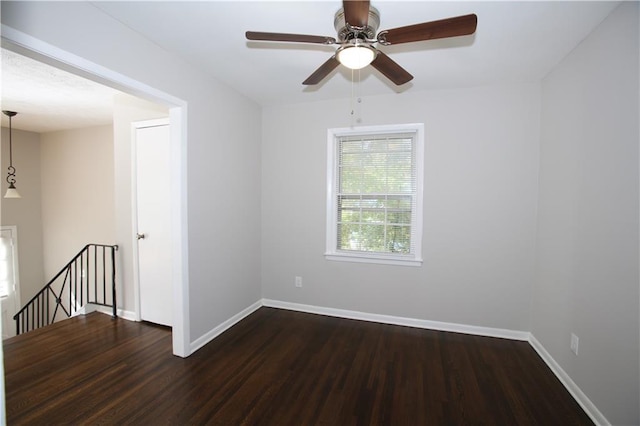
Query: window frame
(414, 258)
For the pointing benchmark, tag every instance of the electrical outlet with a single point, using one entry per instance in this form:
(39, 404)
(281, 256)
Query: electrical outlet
(298, 281)
(574, 343)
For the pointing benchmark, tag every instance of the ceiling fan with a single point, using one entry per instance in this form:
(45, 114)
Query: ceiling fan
(356, 23)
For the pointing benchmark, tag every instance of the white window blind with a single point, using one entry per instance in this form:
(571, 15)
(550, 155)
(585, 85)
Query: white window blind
(374, 200)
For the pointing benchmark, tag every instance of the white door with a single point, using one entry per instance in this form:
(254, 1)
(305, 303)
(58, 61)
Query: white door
(153, 227)
(9, 296)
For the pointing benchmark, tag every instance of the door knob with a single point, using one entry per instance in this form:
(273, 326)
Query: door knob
(140, 236)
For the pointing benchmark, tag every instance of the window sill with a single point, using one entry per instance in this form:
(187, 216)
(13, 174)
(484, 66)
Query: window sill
(371, 258)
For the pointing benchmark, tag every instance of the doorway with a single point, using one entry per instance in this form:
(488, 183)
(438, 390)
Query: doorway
(9, 282)
(48, 54)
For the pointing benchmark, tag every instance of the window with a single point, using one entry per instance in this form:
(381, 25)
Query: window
(374, 194)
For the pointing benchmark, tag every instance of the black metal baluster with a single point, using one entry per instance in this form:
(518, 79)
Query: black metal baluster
(70, 286)
(78, 282)
(113, 281)
(104, 274)
(82, 276)
(95, 273)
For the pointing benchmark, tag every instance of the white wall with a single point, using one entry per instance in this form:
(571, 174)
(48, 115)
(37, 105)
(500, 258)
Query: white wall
(127, 110)
(24, 212)
(77, 193)
(587, 249)
(223, 150)
(480, 194)
(224, 208)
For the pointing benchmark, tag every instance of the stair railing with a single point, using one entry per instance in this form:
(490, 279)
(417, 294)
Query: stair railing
(84, 280)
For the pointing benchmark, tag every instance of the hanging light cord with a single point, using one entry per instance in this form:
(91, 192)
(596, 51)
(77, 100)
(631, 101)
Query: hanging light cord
(11, 177)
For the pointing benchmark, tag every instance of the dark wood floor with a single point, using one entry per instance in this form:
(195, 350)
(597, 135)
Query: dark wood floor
(279, 367)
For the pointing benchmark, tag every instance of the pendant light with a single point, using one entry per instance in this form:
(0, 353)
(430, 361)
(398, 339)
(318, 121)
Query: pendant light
(12, 192)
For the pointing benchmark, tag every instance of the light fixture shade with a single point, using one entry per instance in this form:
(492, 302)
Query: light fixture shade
(12, 192)
(356, 57)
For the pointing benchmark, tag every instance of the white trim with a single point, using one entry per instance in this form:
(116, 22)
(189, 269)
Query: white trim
(13, 229)
(575, 391)
(126, 315)
(404, 321)
(180, 231)
(372, 258)
(134, 226)
(37, 49)
(215, 332)
(331, 252)
(85, 309)
(150, 123)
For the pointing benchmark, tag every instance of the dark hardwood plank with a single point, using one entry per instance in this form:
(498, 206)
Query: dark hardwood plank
(278, 367)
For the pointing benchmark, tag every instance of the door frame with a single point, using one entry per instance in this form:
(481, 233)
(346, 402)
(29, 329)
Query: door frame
(134, 206)
(36, 49)
(15, 267)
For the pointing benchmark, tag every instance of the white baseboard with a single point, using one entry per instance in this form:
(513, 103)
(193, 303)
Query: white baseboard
(409, 322)
(128, 315)
(84, 310)
(212, 334)
(582, 399)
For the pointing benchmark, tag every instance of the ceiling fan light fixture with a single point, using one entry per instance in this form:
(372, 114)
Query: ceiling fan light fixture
(356, 56)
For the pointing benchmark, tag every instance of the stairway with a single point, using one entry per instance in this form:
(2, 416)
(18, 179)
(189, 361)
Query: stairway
(87, 280)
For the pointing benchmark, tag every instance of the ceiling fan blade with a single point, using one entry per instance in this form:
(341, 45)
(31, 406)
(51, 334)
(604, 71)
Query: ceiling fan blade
(356, 12)
(298, 38)
(322, 72)
(391, 69)
(450, 27)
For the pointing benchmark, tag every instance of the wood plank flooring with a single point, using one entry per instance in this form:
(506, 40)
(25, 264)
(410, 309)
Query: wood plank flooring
(278, 367)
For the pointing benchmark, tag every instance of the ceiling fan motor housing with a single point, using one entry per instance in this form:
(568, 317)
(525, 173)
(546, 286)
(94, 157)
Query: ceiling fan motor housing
(346, 33)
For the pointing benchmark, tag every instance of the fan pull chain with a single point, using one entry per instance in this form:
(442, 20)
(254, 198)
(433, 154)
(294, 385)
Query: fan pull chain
(352, 83)
(359, 119)
(354, 100)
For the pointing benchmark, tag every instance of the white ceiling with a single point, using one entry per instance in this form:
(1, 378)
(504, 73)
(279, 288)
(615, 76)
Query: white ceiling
(48, 99)
(514, 42)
